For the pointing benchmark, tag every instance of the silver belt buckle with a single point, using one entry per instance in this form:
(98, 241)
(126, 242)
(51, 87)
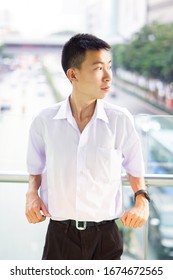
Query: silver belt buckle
(81, 225)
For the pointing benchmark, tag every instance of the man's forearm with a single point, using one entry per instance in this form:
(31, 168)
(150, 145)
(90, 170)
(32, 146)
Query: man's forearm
(137, 183)
(138, 215)
(34, 183)
(35, 211)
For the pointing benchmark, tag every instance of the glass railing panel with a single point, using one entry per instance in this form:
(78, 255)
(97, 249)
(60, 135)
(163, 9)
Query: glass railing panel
(157, 141)
(156, 134)
(154, 241)
(160, 224)
(19, 240)
(134, 239)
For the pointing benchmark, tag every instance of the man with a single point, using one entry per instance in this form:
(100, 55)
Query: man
(75, 154)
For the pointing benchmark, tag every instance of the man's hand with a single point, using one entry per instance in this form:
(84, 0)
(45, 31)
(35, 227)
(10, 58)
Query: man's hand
(35, 209)
(138, 215)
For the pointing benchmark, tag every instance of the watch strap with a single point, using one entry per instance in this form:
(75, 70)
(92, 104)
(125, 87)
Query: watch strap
(142, 192)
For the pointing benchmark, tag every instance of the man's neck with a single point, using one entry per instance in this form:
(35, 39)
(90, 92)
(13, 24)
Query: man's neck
(82, 111)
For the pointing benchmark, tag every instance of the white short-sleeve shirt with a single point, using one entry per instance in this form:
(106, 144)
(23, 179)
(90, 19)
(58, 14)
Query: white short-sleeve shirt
(81, 172)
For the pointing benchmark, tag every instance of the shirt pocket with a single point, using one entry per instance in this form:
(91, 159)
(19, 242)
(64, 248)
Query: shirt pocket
(108, 165)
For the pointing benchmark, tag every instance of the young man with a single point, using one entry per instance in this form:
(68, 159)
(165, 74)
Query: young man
(75, 154)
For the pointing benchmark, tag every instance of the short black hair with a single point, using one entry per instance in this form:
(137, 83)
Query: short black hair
(74, 50)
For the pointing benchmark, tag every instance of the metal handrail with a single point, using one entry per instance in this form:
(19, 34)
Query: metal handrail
(13, 177)
(155, 180)
(158, 180)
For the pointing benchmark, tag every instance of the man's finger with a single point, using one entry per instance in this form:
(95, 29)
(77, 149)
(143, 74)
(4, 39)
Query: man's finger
(123, 218)
(44, 210)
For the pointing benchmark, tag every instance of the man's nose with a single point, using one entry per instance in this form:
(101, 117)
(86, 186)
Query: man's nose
(108, 75)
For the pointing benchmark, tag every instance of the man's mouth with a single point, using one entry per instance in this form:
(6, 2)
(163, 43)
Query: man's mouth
(106, 88)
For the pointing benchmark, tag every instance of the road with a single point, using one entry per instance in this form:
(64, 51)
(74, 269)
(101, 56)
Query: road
(132, 103)
(26, 91)
(116, 96)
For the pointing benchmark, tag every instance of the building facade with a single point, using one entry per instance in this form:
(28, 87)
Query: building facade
(160, 10)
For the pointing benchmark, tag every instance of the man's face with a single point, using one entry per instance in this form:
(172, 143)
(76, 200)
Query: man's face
(95, 75)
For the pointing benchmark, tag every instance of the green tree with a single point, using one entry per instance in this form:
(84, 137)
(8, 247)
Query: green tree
(149, 52)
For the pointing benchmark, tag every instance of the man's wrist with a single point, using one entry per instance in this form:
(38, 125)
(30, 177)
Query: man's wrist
(31, 192)
(143, 193)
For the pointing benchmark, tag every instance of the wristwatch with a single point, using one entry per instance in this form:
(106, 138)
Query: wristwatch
(144, 192)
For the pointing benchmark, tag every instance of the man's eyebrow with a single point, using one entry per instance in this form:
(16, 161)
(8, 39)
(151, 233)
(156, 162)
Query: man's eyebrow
(101, 62)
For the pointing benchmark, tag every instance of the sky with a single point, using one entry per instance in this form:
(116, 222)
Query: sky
(37, 18)
(40, 18)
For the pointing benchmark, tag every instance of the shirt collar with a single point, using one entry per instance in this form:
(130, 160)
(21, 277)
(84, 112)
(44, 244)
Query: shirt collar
(100, 111)
(64, 111)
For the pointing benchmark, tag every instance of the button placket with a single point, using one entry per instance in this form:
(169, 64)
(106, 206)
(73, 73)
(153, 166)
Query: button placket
(81, 167)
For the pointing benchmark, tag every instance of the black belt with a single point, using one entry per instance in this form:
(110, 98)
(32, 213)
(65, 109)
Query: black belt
(82, 225)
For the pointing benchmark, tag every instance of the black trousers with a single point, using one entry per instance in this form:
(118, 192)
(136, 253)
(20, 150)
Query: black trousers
(65, 242)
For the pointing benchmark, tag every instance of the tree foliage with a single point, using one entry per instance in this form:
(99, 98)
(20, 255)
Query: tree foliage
(149, 52)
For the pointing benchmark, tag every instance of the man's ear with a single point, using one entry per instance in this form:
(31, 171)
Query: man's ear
(71, 74)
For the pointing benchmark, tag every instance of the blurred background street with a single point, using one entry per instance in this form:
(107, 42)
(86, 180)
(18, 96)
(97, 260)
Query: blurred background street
(32, 34)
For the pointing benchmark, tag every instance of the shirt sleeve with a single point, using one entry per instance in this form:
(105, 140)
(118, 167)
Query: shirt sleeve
(36, 158)
(133, 161)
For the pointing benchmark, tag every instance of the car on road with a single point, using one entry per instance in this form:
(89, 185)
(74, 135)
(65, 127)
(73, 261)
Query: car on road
(5, 105)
